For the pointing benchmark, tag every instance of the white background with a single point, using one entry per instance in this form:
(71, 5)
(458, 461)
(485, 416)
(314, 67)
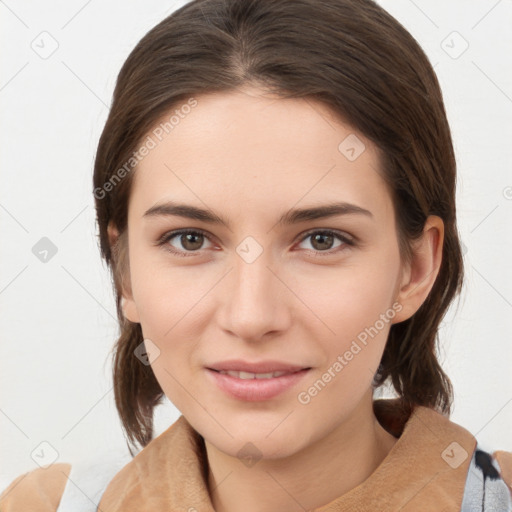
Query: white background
(58, 321)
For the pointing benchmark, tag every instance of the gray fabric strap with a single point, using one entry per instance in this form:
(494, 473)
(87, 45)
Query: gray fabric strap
(485, 489)
(88, 480)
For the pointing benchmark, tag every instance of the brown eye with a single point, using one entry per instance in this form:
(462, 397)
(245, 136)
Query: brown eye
(183, 241)
(322, 241)
(191, 241)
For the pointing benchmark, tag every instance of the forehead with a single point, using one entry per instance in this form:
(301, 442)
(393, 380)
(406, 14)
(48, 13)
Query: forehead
(256, 152)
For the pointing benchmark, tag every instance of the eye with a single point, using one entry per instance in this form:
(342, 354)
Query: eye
(322, 241)
(190, 240)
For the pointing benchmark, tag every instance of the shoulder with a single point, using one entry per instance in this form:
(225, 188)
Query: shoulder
(40, 489)
(63, 486)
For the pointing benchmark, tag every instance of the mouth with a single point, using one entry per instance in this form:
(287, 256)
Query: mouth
(257, 368)
(248, 375)
(255, 386)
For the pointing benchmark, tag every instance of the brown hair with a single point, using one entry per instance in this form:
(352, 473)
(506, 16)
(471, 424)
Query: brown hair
(353, 57)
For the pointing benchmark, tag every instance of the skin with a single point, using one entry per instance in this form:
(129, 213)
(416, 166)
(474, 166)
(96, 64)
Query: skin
(250, 157)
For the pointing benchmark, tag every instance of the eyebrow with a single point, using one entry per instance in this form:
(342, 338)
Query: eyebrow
(292, 216)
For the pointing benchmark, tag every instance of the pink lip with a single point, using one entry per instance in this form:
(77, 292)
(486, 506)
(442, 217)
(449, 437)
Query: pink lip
(253, 390)
(238, 365)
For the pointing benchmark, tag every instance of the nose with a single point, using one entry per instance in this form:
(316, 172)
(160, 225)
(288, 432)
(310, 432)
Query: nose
(255, 302)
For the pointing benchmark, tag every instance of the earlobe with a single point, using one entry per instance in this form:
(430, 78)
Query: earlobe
(113, 234)
(420, 274)
(130, 310)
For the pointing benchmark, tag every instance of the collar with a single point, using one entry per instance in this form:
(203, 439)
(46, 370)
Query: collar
(425, 470)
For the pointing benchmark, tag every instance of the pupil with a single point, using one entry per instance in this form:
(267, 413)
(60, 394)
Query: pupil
(323, 237)
(189, 237)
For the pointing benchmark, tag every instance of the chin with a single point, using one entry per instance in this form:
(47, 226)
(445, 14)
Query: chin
(252, 449)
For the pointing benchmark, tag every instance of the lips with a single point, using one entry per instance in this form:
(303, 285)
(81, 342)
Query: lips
(255, 381)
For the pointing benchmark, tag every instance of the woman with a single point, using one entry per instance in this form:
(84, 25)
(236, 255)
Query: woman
(275, 194)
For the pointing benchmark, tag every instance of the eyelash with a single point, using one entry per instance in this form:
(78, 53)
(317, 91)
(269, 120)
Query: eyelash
(166, 237)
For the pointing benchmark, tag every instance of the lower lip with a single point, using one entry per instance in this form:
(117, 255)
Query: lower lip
(253, 390)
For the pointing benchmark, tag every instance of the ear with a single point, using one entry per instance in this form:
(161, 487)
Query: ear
(127, 301)
(419, 275)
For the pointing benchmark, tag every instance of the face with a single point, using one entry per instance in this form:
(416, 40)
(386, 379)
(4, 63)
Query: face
(266, 290)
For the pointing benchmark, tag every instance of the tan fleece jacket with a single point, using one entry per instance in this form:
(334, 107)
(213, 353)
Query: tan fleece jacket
(424, 471)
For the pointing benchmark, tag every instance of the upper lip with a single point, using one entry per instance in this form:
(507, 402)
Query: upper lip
(259, 367)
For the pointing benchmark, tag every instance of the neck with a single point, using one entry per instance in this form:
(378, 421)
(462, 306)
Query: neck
(332, 467)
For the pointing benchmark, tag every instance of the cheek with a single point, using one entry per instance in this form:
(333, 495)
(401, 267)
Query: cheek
(167, 303)
(350, 299)
(355, 306)
(166, 297)
(358, 312)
